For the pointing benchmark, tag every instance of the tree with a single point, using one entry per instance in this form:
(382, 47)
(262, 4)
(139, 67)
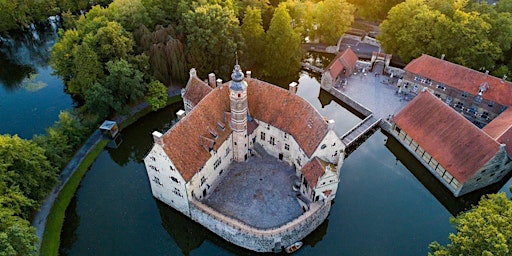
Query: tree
(302, 14)
(61, 140)
(282, 52)
(24, 165)
(333, 17)
(156, 95)
(484, 230)
(504, 6)
(125, 82)
(17, 237)
(474, 36)
(374, 10)
(254, 37)
(131, 14)
(212, 32)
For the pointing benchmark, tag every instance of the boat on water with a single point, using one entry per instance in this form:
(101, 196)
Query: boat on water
(294, 247)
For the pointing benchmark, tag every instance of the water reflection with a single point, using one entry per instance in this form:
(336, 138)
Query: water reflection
(69, 230)
(454, 205)
(31, 97)
(130, 150)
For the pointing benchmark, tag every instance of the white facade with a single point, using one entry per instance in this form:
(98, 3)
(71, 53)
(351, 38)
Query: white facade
(212, 172)
(166, 182)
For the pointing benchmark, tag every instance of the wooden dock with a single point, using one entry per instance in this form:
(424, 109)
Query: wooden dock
(358, 131)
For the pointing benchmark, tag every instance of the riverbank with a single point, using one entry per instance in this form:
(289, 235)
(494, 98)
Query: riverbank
(49, 220)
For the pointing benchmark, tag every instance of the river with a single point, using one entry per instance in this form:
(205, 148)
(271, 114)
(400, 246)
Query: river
(382, 205)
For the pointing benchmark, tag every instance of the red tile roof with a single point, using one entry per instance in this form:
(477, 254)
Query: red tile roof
(288, 112)
(345, 59)
(185, 142)
(196, 90)
(459, 146)
(313, 171)
(501, 129)
(461, 78)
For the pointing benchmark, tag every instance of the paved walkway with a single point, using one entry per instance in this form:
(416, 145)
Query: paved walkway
(375, 93)
(39, 221)
(258, 192)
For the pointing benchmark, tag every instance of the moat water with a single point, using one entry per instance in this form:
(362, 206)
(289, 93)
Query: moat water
(382, 206)
(31, 98)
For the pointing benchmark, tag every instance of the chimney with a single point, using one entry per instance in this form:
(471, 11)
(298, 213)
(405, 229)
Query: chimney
(211, 80)
(486, 73)
(293, 87)
(504, 78)
(219, 82)
(442, 56)
(180, 114)
(193, 72)
(330, 123)
(248, 74)
(158, 138)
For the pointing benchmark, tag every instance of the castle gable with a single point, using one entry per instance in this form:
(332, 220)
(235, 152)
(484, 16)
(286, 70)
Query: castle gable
(196, 90)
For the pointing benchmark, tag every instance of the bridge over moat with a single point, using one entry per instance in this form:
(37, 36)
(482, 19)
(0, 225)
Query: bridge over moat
(379, 96)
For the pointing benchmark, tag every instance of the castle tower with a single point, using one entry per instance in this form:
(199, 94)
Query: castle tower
(238, 105)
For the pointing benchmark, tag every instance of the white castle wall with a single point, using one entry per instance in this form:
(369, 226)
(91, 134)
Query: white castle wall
(166, 182)
(213, 171)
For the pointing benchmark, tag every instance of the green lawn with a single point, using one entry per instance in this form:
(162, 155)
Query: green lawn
(51, 236)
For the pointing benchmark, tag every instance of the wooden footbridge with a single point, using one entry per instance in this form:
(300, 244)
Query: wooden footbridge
(359, 131)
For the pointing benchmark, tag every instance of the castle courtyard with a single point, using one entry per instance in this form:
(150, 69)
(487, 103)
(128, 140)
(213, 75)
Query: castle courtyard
(258, 192)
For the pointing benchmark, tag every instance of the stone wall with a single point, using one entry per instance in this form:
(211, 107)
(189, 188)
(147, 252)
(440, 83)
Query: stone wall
(259, 240)
(351, 102)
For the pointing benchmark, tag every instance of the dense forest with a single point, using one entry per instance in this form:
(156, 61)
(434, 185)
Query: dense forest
(115, 54)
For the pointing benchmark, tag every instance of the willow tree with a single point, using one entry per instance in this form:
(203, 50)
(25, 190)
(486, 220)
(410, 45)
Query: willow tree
(282, 53)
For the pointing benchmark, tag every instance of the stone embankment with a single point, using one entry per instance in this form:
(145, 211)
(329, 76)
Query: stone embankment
(260, 240)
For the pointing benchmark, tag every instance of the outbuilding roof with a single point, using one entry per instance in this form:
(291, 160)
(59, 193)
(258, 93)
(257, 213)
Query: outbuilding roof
(458, 145)
(346, 59)
(501, 129)
(461, 78)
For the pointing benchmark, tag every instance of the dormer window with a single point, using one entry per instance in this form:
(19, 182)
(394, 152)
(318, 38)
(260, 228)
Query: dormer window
(221, 126)
(483, 87)
(213, 133)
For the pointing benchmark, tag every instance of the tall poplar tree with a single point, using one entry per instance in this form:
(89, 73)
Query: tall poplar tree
(254, 36)
(282, 46)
